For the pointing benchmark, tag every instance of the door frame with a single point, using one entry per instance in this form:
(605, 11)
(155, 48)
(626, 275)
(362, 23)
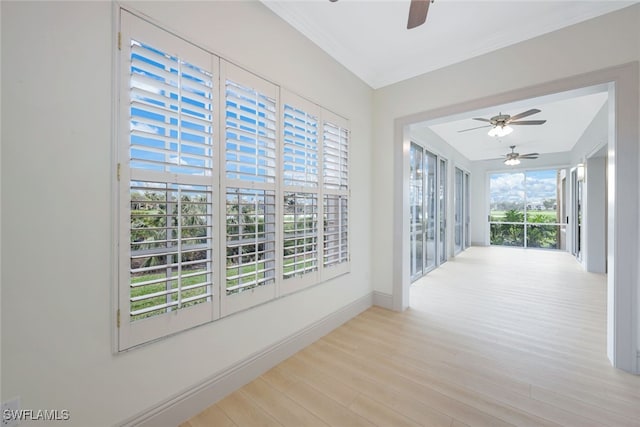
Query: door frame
(622, 83)
(577, 205)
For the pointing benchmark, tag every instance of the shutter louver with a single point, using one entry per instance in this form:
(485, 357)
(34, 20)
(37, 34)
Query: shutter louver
(336, 247)
(250, 134)
(251, 245)
(335, 147)
(170, 247)
(171, 114)
(300, 234)
(300, 148)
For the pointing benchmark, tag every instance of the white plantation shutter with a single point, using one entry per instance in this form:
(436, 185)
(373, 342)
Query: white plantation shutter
(166, 185)
(335, 155)
(230, 190)
(301, 167)
(250, 116)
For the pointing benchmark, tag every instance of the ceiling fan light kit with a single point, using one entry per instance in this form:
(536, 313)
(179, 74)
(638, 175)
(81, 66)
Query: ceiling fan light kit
(513, 158)
(500, 131)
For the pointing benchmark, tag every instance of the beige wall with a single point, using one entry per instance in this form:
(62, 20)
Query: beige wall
(57, 266)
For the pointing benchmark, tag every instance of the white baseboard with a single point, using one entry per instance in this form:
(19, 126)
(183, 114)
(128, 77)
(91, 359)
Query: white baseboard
(383, 300)
(183, 406)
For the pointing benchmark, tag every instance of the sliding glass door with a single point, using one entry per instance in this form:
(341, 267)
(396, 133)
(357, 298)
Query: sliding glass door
(576, 200)
(467, 217)
(427, 196)
(459, 212)
(430, 208)
(462, 238)
(506, 211)
(525, 209)
(416, 210)
(442, 211)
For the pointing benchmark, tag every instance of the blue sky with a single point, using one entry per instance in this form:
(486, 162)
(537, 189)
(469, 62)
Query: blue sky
(511, 187)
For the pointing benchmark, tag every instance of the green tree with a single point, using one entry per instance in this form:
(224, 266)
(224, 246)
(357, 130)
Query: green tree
(540, 235)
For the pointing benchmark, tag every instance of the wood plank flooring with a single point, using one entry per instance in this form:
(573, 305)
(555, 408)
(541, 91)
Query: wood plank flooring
(496, 337)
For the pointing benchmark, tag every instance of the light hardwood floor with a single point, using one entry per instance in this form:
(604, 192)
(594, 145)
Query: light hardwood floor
(496, 337)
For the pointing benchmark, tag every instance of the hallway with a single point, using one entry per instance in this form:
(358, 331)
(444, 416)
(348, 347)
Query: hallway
(496, 336)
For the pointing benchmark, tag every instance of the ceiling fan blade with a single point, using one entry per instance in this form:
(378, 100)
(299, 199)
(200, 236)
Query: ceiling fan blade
(481, 119)
(524, 114)
(528, 122)
(529, 156)
(479, 127)
(417, 13)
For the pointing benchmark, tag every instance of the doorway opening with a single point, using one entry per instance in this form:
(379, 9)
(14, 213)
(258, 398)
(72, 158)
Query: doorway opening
(621, 84)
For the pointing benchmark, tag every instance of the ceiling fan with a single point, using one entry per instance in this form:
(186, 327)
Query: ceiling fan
(501, 124)
(417, 12)
(513, 158)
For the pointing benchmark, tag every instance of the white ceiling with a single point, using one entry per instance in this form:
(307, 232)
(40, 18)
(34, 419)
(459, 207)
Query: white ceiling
(567, 116)
(370, 38)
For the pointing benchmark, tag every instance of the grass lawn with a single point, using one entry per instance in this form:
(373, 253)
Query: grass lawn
(547, 216)
(160, 288)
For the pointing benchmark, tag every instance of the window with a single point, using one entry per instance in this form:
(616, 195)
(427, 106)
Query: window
(336, 192)
(525, 209)
(222, 187)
